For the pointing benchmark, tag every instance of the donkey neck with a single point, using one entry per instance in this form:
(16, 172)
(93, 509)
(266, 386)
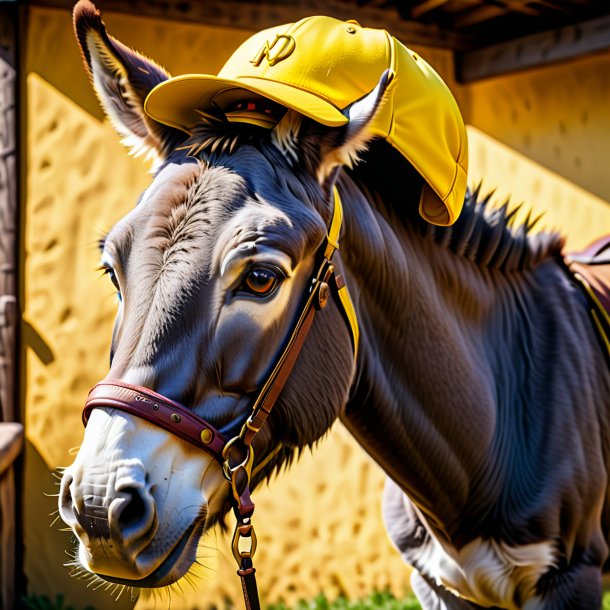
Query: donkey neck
(425, 402)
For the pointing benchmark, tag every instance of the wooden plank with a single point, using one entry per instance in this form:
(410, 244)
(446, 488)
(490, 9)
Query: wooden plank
(458, 6)
(556, 5)
(8, 212)
(580, 3)
(518, 6)
(478, 15)
(255, 16)
(425, 7)
(8, 541)
(11, 434)
(535, 50)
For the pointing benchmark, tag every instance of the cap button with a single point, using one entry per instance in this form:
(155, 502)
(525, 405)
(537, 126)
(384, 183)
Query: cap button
(350, 28)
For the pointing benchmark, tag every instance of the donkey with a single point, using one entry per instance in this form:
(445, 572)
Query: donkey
(479, 385)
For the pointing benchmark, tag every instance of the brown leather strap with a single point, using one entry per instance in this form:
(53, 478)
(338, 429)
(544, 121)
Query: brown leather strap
(279, 376)
(158, 410)
(268, 399)
(249, 589)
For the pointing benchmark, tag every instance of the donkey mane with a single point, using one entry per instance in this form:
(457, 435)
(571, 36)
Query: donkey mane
(488, 235)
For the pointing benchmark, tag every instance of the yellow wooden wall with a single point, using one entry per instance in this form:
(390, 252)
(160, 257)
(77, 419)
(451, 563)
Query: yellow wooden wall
(79, 180)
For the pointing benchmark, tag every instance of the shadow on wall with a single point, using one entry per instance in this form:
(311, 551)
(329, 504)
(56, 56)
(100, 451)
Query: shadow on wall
(31, 339)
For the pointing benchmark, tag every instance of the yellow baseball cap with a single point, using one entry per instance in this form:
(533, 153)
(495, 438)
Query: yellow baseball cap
(318, 66)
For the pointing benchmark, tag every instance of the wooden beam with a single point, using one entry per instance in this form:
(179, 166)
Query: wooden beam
(256, 16)
(425, 7)
(11, 434)
(458, 6)
(535, 50)
(478, 15)
(8, 211)
(518, 6)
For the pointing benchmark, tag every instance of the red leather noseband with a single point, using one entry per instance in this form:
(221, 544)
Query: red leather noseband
(158, 410)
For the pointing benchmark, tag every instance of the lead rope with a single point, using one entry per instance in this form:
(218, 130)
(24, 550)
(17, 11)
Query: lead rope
(238, 453)
(243, 507)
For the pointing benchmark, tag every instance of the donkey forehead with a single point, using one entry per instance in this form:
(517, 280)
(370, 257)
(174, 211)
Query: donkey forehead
(215, 210)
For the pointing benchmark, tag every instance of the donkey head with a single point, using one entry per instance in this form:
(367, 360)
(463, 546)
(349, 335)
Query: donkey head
(211, 268)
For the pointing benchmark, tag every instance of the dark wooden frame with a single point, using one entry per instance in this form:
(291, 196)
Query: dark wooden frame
(534, 51)
(261, 15)
(11, 432)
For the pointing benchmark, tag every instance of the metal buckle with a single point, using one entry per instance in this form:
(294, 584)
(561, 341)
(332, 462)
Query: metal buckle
(245, 529)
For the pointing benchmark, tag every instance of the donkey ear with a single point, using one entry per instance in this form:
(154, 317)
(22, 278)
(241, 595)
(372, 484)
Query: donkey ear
(325, 149)
(122, 79)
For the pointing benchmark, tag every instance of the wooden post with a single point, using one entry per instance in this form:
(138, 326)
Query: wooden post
(8, 211)
(11, 443)
(11, 433)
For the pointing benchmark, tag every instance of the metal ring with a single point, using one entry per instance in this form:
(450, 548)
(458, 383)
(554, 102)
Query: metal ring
(246, 463)
(237, 552)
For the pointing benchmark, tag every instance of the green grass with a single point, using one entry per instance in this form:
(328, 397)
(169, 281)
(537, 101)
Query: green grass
(380, 600)
(44, 602)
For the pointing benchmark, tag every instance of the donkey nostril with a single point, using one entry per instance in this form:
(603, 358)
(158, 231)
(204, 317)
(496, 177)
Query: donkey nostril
(66, 503)
(134, 509)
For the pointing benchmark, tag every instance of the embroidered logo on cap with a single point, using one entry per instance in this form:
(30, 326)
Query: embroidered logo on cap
(281, 48)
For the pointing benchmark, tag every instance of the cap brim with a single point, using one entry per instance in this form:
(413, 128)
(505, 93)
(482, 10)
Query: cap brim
(175, 102)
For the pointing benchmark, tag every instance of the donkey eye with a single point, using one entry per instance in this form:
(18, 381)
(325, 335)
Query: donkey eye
(113, 279)
(109, 271)
(261, 281)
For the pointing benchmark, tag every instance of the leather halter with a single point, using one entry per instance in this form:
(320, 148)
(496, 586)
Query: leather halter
(236, 455)
(158, 410)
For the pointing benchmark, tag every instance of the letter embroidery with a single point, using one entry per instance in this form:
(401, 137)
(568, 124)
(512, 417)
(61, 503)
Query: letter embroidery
(276, 51)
